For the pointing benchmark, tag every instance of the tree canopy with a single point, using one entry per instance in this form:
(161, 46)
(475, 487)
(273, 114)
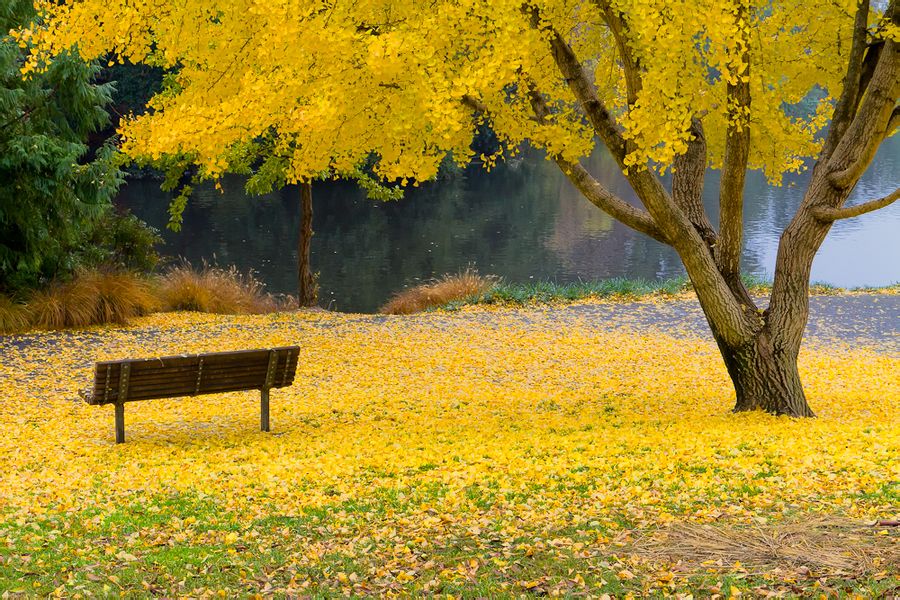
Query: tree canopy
(334, 82)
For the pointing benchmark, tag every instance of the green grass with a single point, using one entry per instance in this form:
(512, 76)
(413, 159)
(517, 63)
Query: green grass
(177, 544)
(549, 292)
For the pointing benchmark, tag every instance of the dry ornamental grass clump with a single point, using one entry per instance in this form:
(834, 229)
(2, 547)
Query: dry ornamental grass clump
(214, 290)
(13, 315)
(438, 292)
(98, 297)
(92, 298)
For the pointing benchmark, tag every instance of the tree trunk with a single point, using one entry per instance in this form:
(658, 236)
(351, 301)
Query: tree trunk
(765, 377)
(308, 290)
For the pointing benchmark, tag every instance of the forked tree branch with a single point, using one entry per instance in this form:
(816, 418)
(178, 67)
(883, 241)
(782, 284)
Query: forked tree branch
(833, 178)
(833, 214)
(848, 176)
(721, 305)
(689, 168)
(875, 117)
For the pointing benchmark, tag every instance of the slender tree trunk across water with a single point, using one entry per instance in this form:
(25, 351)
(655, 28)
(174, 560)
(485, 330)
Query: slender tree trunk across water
(307, 288)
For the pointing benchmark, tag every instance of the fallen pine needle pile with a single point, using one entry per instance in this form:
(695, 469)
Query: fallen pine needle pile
(833, 545)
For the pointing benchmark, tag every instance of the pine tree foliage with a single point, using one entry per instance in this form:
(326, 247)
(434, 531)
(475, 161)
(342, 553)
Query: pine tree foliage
(50, 189)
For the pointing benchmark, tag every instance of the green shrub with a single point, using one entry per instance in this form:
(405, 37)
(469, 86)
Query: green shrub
(51, 187)
(122, 241)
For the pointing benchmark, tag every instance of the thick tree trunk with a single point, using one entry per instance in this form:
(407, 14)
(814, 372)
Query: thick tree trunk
(307, 288)
(765, 377)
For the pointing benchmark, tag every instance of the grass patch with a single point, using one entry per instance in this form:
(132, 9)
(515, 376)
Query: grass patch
(549, 292)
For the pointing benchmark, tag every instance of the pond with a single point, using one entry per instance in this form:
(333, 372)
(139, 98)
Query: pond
(523, 222)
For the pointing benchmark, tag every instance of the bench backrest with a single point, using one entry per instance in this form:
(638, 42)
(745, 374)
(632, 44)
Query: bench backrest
(121, 381)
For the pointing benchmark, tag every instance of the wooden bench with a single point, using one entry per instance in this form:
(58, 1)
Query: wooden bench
(119, 381)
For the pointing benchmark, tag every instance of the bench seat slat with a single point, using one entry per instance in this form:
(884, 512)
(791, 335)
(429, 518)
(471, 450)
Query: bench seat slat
(191, 376)
(176, 376)
(156, 368)
(146, 390)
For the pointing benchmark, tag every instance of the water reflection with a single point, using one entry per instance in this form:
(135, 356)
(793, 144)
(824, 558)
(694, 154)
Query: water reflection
(523, 221)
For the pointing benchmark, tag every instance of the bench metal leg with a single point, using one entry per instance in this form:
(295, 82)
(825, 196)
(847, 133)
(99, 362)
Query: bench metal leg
(120, 423)
(264, 410)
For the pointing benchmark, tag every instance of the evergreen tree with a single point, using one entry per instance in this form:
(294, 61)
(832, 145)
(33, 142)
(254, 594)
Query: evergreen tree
(51, 189)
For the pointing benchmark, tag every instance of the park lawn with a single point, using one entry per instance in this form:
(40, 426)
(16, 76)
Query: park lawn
(479, 453)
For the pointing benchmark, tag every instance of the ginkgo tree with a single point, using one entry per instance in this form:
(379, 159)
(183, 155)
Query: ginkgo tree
(666, 85)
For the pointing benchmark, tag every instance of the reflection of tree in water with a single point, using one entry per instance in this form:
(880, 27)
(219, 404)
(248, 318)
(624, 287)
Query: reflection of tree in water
(522, 221)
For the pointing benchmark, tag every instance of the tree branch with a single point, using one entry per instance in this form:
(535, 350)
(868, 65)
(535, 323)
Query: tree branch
(826, 214)
(597, 114)
(592, 189)
(875, 120)
(734, 167)
(873, 52)
(475, 104)
(847, 105)
(893, 122)
(630, 65)
(688, 172)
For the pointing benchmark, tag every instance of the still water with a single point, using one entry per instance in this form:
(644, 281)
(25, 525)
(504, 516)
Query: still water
(523, 222)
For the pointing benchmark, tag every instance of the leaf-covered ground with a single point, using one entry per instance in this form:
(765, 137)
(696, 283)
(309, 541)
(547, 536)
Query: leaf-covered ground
(478, 453)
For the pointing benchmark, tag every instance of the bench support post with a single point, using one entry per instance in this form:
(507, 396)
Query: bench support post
(264, 409)
(264, 391)
(120, 422)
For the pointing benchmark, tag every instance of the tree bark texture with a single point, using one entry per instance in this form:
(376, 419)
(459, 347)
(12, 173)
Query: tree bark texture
(308, 289)
(765, 376)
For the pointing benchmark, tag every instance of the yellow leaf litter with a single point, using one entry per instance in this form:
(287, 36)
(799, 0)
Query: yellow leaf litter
(415, 454)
